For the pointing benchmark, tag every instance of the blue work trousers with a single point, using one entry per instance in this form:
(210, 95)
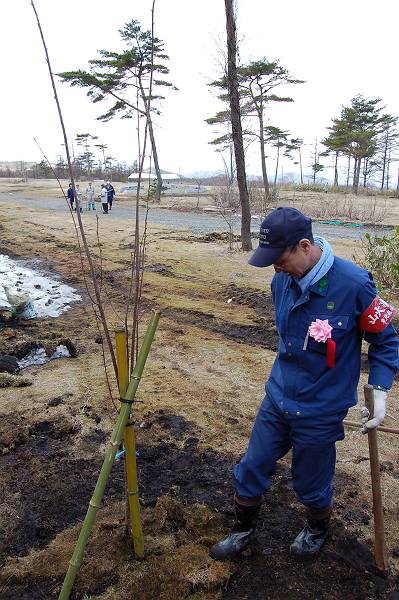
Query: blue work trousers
(312, 440)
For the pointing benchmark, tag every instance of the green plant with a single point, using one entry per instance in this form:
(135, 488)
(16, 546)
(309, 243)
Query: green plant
(381, 257)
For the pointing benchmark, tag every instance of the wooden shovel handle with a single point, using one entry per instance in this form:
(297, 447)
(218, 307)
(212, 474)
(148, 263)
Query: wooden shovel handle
(379, 534)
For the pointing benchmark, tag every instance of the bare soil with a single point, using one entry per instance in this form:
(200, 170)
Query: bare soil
(200, 392)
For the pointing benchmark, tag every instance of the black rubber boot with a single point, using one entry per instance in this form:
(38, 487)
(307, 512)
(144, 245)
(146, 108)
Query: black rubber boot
(310, 540)
(242, 534)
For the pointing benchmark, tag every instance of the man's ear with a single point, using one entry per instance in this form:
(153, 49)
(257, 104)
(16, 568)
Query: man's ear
(305, 245)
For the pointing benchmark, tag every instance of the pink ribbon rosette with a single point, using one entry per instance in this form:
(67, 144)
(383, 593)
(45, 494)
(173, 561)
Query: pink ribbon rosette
(320, 330)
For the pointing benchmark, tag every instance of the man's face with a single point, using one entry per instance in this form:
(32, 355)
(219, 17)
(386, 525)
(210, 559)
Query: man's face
(295, 262)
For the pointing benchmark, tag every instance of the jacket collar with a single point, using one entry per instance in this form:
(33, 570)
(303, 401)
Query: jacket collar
(320, 287)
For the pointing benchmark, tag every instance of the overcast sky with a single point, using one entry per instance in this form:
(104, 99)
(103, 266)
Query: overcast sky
(340, 48)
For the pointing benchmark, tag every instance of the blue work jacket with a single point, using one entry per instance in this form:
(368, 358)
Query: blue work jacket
(301, 383)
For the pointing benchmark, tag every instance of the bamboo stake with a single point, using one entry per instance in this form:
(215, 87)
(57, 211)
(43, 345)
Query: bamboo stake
(380, 428)
(122, 360)
(379, 535)
(133, 510)
(133, 490)
(116, 438)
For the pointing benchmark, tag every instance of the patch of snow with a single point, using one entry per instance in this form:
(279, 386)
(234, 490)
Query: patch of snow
(50, 296)
(38, 356)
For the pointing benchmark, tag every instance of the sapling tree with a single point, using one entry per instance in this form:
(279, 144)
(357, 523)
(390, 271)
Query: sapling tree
(120, 357)
(102, 148)
(278, 139)
(132, 80)
(315, 165)
(294, 145)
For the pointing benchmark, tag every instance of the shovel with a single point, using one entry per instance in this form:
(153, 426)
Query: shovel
(380, 553)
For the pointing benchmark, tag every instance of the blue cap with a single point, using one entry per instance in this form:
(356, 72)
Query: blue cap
(283, 227)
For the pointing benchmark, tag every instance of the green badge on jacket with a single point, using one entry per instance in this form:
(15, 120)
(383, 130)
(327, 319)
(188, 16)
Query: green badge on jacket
(322, 284)
(330, 305)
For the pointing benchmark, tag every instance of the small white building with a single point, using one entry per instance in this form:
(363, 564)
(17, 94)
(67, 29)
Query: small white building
(166, 177)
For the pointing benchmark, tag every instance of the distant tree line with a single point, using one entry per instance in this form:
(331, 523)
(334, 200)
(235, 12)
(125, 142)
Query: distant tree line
(114, 171)
(363, 140)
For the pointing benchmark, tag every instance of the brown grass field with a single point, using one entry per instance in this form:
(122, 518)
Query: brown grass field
(200, 392)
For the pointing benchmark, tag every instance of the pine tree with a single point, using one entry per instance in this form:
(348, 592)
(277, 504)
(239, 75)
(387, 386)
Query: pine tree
(356, 132)
(130, 79)
(256, 82)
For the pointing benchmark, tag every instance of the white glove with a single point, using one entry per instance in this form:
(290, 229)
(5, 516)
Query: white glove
(380, 400)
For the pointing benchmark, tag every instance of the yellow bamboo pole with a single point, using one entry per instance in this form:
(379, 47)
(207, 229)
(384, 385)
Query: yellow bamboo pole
(133, 490)
(130, 448)
(116, 438)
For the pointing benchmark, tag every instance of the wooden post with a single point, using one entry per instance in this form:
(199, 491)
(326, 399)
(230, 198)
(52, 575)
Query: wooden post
(133, 511)
(379, 428)
(379, 534)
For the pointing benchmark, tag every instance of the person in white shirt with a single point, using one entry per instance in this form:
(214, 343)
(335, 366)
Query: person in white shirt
(104, 198)
(90, 191)
(78, 197)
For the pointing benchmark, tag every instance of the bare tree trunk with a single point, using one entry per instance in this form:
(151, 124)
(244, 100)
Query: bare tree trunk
(300, 165)
(336, 170)
(315, 161)
(384, 161)
(348, 171)
(356, 174)
(231, 165)
(156, 162)
(387, 175)
(365, 169)
(277, 162)
(266, 186)
(153, 144)
(246, 243)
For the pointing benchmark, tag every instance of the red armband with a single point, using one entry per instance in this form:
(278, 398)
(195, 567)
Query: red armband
(377, 316)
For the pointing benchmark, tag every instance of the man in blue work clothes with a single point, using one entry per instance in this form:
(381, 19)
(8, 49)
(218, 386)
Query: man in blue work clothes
(324, 307)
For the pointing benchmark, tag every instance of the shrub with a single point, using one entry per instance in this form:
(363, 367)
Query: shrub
(381, 257)
(308, 187)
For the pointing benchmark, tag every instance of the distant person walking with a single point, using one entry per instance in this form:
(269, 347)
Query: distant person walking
(70, 195)
(90, 191)
(78, 198)
(111, 194)
(104, 198)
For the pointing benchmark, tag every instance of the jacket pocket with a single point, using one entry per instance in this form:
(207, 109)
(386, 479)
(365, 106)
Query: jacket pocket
(339, 323)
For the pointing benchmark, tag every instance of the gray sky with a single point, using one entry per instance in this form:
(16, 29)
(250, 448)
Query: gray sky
(340, 48)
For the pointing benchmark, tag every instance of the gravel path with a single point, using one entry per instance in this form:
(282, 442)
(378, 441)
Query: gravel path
(193, 222)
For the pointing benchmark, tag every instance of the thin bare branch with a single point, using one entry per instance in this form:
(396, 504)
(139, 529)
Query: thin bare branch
(77, 204)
